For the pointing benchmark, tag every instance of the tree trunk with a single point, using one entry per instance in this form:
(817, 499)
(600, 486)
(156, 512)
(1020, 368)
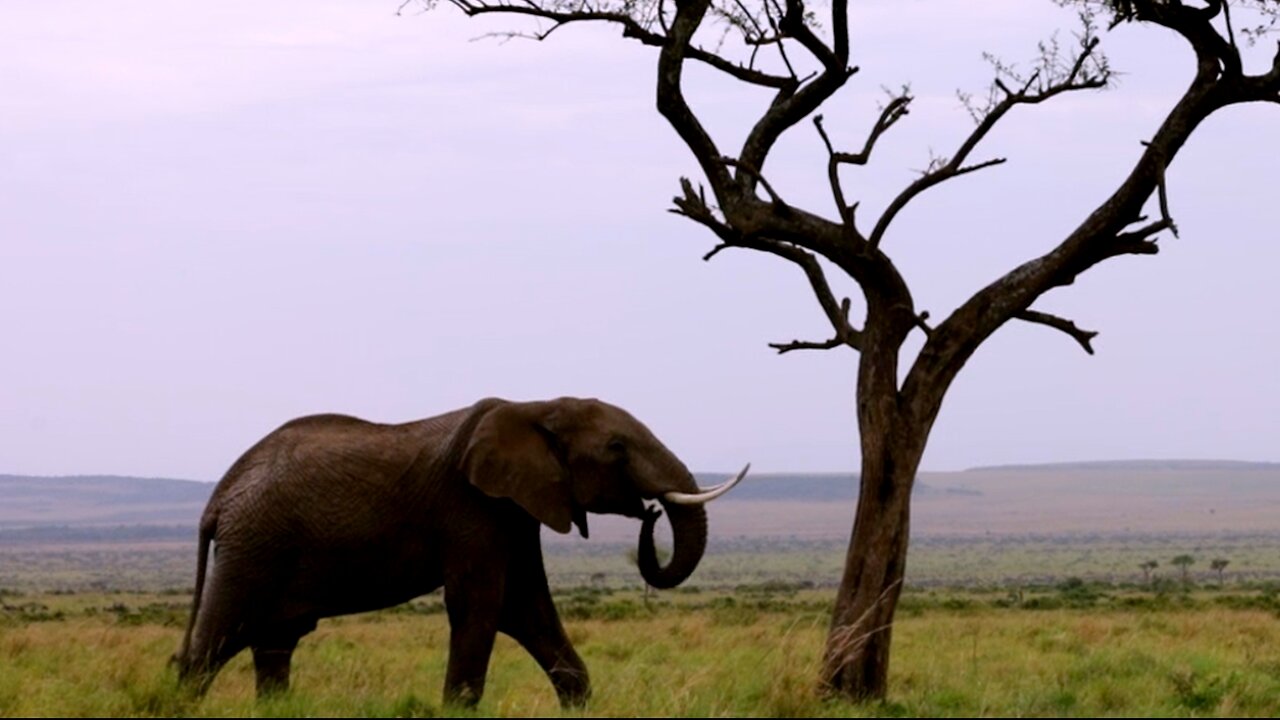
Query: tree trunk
(856, 661)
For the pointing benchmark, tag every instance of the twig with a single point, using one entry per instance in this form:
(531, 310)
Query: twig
(1084, 337)
(804, 345)
(921, 321)
(630, 28)
(1162, 192)
(890, 114)
(754, 174)
(837, 313)
(1077, 78)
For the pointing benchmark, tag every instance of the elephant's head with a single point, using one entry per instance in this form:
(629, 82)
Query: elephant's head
(559, 459)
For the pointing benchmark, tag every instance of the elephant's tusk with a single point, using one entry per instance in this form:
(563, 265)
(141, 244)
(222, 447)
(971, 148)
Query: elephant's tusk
(705, 496)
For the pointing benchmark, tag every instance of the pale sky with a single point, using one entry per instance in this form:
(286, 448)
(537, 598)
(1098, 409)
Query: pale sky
(215, 217)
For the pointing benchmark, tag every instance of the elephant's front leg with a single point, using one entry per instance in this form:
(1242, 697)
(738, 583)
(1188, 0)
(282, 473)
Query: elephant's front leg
(529, 616)
(273, 653)
(473, 605)
(271, 667)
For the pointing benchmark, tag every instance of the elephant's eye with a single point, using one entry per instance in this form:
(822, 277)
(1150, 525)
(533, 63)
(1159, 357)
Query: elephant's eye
(617, 448)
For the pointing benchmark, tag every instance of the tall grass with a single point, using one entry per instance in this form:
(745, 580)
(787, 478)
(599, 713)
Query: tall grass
(690, 654)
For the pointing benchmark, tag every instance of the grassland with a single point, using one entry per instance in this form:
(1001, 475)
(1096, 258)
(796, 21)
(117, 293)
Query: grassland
(1025, 596)
(1075, 649)
(935, 561)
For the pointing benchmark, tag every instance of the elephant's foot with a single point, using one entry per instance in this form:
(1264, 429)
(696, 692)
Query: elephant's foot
(572, 687)
(272, 670)
(575, 701)
(194, 678)
(463, 695)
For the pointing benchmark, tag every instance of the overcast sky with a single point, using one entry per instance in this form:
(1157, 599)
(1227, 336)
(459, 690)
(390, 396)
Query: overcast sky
(215, 217)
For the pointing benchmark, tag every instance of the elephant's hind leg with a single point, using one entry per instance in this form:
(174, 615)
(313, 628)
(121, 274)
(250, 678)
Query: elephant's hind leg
(223, 627)
(206, 659)
(195, 677)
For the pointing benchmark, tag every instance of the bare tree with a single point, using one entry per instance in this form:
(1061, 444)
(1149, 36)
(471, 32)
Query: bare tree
(799, 53)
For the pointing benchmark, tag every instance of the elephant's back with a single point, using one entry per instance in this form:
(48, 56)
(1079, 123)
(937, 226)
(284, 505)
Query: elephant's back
(329, 471)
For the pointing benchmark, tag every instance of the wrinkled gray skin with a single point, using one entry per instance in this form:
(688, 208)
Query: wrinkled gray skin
(330, 515)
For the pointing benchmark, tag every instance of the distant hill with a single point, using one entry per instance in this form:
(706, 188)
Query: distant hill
(810, 487)
(1119, 497)
(96, 500)
(1128, 497)
(1147, 465)
(100, 500)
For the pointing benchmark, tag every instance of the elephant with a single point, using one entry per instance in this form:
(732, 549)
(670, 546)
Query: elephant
(332, 515)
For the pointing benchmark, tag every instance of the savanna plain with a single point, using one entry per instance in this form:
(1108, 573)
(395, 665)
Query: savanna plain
(1074, 615)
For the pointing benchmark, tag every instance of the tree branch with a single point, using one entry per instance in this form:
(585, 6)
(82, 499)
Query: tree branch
(1162, 194)
(1087, 71)
(896, 108)
(778, 36)
(673, 106)
(1213, 51)
(837, 313)
(789, 108)
(922, 322)
(693, 205)
(1101, 234)
(833, 176)
(845, 334)
(783, 348)
(757, 177)
(631, 28)
(1084, 337)
(1264, 87)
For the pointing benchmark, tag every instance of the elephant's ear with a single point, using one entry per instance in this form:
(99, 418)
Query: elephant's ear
(510, 455)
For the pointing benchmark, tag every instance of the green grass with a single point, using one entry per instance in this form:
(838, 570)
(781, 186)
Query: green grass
(750, 652)
(997, 626)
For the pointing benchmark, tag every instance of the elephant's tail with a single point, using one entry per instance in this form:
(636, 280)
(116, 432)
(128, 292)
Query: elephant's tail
(208, 526)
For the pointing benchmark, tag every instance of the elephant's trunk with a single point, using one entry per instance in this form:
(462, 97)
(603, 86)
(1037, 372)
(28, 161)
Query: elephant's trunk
(689, 533)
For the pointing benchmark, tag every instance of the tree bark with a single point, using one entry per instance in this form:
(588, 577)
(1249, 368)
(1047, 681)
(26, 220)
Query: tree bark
(893, 434)
(856, 660)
